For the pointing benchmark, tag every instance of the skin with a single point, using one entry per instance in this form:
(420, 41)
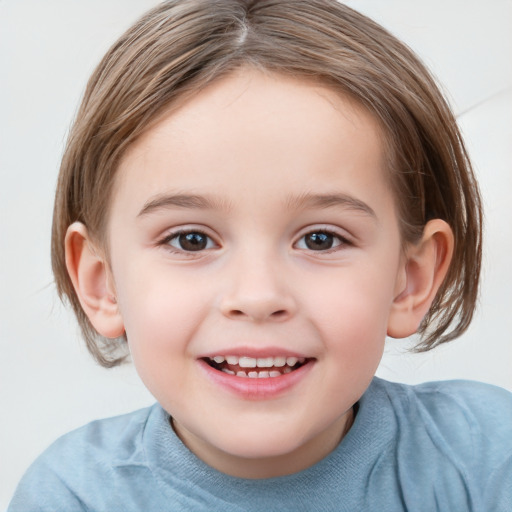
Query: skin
(269, 160)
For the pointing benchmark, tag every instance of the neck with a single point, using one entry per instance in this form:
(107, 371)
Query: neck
(305, 456)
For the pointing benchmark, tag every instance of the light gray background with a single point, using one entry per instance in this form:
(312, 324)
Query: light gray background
(48, 383)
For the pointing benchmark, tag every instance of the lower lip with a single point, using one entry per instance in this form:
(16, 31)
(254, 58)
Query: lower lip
(257, 388)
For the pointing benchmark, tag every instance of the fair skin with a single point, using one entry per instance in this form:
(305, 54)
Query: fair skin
(256, 221)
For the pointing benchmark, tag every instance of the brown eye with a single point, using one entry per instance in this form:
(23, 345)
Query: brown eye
(320, 241)
(191, 241)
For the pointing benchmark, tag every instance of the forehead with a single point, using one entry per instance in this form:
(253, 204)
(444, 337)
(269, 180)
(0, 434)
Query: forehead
(253, 131)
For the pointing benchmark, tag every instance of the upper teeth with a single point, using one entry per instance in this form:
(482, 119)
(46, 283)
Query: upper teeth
(260, 362)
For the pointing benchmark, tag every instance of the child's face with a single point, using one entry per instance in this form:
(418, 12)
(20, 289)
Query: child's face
(257, 222)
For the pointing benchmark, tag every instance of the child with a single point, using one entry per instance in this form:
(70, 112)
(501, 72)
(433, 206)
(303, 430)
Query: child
(253, 195)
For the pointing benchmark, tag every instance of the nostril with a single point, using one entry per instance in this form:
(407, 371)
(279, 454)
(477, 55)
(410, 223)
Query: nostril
(275, 315)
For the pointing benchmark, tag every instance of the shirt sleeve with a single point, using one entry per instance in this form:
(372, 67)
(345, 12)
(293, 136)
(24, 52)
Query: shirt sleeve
(42, 490)
(476, 420)
(498, 495)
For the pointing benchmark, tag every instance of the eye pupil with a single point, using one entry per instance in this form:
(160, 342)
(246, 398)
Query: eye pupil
(319, 241)
(193, 241)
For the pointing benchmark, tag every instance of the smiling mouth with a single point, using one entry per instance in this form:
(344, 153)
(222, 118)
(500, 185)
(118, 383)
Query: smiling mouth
(256, 368)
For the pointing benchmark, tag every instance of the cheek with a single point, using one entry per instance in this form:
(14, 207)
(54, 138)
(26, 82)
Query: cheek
(161, 318)
(353, 310)
(160, 310)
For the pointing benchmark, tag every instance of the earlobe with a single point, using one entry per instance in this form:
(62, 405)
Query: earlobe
(426, 265)
(90, 275)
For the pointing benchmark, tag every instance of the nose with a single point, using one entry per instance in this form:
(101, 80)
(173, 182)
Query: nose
(258, 291)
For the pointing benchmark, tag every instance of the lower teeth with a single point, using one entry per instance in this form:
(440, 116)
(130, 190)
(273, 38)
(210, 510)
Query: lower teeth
(258, 375)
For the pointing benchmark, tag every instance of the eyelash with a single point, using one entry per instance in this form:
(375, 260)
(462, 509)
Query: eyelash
(166, 241)
(341, 241)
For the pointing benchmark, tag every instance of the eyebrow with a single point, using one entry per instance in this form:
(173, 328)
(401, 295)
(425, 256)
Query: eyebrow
(187, 201)
(308, 200)
(303, 201)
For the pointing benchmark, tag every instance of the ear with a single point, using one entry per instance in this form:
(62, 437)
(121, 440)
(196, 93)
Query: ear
(425, 267)
(91, 277)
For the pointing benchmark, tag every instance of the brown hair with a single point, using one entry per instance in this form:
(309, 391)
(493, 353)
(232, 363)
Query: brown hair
(179, 47)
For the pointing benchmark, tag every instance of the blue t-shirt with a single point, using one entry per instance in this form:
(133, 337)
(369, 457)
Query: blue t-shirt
(444, 446)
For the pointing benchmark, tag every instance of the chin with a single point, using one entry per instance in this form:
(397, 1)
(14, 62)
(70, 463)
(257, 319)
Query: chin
(262, 444)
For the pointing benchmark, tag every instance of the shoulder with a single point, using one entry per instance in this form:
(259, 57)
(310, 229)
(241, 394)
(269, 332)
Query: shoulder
(457, 428)
(456, 403)
(62, 477)
(461, 392)
(99, 441)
